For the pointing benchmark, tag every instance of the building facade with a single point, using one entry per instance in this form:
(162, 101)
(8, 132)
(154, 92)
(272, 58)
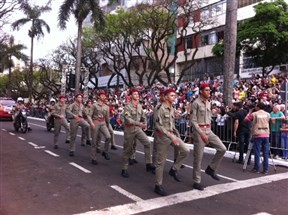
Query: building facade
(206, 64)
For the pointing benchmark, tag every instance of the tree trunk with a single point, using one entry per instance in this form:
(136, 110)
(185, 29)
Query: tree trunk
(230, 50)
(9, 88)
(30, 76)
(78, 58)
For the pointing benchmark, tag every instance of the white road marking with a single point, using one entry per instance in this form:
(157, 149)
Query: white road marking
(80, 167)
(21, 138)
(126, 193)
(11, 133)
(51, 153)
(33, 144)
(40, 147)
(3, 129)
(179, 198)
(262, 213)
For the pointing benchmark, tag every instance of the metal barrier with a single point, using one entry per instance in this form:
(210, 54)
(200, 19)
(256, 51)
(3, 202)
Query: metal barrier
(223, 128)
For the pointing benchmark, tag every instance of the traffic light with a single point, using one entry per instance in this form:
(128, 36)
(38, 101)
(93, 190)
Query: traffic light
(72, 80)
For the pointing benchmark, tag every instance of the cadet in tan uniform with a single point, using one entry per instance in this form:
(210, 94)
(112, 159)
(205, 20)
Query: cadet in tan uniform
(202, 135)
(167, 134)
(78, 112)
(89, 111)
(98, 141)
(134, 122)
(100, 117)
(59, 114)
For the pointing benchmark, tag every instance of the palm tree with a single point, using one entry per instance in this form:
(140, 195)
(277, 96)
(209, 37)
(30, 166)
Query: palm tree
(9, 50)
(80, 9)
(33, 14)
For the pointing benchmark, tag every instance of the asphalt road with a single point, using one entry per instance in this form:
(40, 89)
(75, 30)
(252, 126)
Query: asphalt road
(37, 179)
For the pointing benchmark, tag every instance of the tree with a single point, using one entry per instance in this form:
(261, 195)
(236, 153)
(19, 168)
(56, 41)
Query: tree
(7, 7)
(142, 36)
(7, 52)
(80, 9)
(32, 14)
(264, 37)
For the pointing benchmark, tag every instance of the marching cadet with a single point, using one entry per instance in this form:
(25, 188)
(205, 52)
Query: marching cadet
(89, 111)
(202, 135)
(134, 122)
(165, 135)
(111, 131)
(77, 111)
(59, 114)
(100, 117)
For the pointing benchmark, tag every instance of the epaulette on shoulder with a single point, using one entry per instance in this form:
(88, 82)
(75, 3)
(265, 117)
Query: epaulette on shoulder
(159, 106)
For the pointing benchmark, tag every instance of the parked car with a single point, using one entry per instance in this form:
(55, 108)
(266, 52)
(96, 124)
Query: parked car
(6, 107)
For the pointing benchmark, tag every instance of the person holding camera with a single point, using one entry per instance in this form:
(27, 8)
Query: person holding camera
(260, 134)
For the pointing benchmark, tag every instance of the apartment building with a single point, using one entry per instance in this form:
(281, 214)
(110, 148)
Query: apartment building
(207, 64)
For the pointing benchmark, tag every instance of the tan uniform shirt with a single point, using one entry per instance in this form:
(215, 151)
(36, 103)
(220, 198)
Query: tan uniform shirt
(165, 121)
(78, 110)
(200, 114)
(59, 109)
(134, 115)
(100, 112)
(89, 111)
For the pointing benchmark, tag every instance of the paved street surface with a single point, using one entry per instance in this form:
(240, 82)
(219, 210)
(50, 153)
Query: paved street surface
(37, 179)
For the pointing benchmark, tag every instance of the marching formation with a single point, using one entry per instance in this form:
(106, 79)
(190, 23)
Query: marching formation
(93, 118)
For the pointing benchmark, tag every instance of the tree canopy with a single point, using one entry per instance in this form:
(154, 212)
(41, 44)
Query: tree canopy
(264, 37)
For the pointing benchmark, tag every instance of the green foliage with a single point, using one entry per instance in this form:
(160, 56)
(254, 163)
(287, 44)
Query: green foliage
(218, 49)
(265, 36)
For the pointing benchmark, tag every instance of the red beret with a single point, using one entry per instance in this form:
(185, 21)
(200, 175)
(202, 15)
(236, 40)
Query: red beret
(133, 90)
(62, 96)
(162, 92)
(204, 85)
(101, 92)
(79, 94)
(169, 90)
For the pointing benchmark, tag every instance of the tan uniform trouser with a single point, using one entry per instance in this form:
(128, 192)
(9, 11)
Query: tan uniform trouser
(73, 132)
(162, 147)
(88, 134)
(111, 131)
(199, 146)
(130, 136)
(100, 127)
(57, 129)
(133, 156)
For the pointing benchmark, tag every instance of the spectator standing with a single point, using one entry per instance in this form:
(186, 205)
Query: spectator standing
(260, 133)
(276, 120)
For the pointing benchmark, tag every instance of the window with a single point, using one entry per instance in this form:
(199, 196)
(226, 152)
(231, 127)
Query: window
(211, 38)
(188, 42)
(244, 3)
(213, 10)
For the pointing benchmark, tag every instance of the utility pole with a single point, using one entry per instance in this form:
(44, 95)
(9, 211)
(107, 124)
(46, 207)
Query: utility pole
(230, 50)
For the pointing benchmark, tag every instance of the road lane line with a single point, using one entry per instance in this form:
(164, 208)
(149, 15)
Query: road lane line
(262, 213)
(40, 147)
(126, 193)
(80, 167)
(11, 133)
(52, 153)
(188, 196)
(21, 138)
(33, 144)
(3, 129)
